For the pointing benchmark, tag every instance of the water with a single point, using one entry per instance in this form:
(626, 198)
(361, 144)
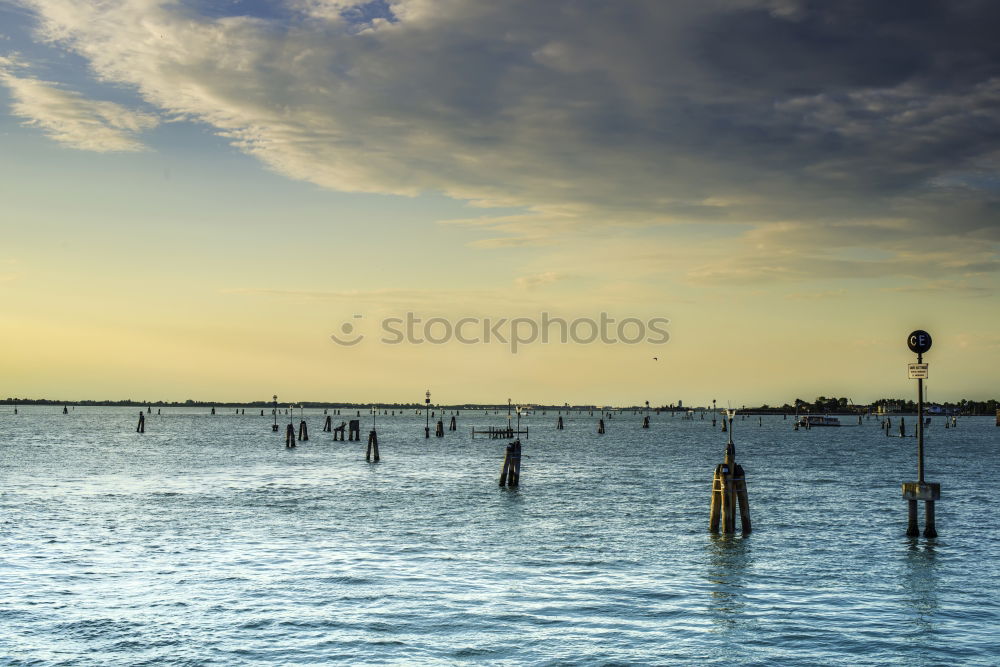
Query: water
(204, 541)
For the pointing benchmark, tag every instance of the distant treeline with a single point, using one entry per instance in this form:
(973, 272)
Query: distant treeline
(823, 404)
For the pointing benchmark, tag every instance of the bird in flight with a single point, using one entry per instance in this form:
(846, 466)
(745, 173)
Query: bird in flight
(656, 358)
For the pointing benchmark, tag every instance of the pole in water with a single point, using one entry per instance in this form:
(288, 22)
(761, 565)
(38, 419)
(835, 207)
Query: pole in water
(919, 342)
(559, 424)
(510, 472)
(427, 414)
(729, 490)
(372, 449)
(600, 426)
(141, 428)
(289, 436)
(303, 431)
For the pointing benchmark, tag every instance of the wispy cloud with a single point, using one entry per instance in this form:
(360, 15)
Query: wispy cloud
(539, 279)
(72, 119)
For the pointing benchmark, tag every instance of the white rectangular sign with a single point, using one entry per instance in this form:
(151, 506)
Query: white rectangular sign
(917, 371)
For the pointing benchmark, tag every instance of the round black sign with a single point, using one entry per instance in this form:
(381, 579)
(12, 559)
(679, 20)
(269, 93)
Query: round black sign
(919, 341)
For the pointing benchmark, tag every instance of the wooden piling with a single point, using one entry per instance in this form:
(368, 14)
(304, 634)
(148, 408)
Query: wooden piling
(930, 530)
(645, 422)
(715, 508)
(289, 436)
(506, 466)
(328, 424)
(439, 429)
(213, 411)
(338, 432)
(354, 430)
(600, 426)
(372, 450)
(559, 424)
(141, 428)
(729, 490)
(452, 426)
(740, 484)
(303, 431)
(514, 473)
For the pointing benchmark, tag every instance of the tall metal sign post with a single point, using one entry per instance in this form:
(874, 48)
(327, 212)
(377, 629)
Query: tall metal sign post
(919, 342)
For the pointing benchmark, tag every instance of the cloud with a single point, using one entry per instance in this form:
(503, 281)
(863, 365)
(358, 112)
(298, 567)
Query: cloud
(835, 117)
(539, 279)
(70, 118)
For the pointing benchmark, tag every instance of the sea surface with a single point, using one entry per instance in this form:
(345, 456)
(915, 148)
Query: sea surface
(204, 541)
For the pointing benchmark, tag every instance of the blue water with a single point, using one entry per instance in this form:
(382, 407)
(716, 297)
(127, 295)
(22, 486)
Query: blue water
(204, 541)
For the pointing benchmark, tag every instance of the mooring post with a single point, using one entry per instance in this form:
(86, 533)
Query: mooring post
(729, 490)
(328, 424)
(600, 426)
(453, 426)
(427, 414)
(372, 450)
(303, 431)
(645, 421)
(506, 465)
(289, 436)
(559, 424)
(439, 429)
(354, 430)
(213, 410)
(141, 428)
(514, 473)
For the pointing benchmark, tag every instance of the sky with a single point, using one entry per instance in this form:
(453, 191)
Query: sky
(199, 198)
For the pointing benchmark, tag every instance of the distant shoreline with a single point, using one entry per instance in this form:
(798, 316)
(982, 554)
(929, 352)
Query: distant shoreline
(896, 406)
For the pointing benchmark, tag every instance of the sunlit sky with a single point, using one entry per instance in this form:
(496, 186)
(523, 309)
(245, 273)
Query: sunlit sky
(196, 195)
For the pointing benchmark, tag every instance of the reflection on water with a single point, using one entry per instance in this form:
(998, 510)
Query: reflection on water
(730, 557)
(920, 581)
